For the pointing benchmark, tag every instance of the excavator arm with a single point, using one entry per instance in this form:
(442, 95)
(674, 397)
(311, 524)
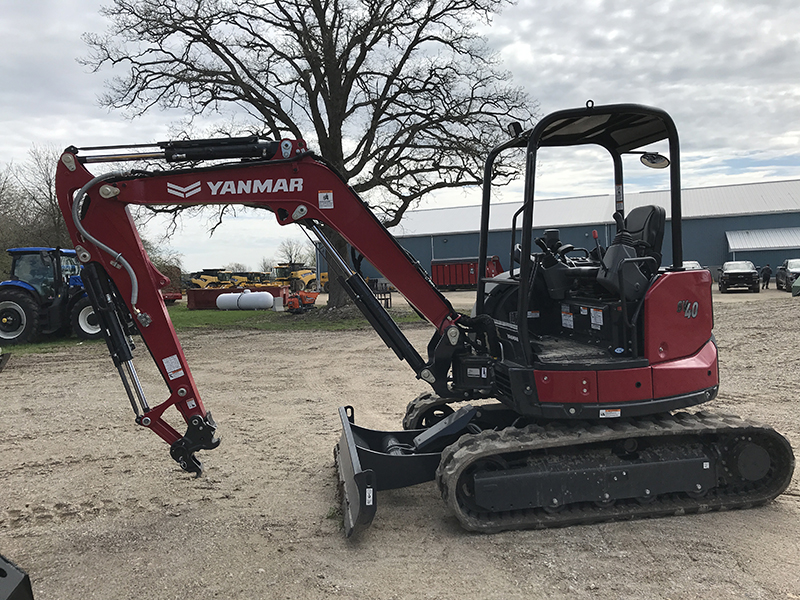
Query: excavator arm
(283, 177)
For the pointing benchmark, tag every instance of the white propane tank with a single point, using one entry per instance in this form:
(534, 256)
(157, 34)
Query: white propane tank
(247, 300)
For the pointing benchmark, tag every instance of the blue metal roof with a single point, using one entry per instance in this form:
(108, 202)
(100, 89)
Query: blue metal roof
(763, 239)
(770, 197)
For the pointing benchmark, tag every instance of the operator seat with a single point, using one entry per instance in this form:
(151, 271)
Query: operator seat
(639, 236)
(646, 226)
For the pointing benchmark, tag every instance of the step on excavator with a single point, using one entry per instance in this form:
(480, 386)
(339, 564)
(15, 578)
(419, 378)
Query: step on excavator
(563, 397)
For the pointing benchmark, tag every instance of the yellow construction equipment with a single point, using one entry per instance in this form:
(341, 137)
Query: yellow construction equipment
(211, 278)
(250, 279)
(298, 277)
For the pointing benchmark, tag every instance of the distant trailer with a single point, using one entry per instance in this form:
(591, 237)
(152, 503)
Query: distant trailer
(170, 297)
(453, 273)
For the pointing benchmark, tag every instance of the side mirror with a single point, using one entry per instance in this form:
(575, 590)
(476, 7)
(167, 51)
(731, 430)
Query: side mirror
(514, 129)
(654, 160)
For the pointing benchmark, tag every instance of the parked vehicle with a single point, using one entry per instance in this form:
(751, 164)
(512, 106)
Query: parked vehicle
(44, 295)
(298, 277)
(739, 274)
(787, 273)
(211, 278)
(249, 278)
(172, 292)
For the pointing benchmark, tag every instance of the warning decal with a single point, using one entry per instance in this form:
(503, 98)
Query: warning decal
(173, 367)
(325, 198)
(597, 318)
(566, 317)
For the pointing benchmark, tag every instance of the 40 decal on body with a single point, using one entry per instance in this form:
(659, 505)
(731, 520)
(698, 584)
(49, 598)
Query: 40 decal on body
(688, 308)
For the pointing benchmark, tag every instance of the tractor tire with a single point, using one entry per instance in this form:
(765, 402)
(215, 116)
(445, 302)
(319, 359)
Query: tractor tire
(85, 323)
(19, 317)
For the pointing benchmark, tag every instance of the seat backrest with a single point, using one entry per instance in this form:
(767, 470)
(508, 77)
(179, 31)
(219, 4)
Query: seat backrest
(646, 226)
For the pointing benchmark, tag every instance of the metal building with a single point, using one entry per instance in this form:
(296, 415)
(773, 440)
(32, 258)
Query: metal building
(759, 222)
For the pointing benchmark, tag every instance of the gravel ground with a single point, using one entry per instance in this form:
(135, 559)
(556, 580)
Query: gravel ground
(93, 507)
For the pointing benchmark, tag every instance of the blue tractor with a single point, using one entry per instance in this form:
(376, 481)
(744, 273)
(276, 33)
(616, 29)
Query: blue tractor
(45, 295)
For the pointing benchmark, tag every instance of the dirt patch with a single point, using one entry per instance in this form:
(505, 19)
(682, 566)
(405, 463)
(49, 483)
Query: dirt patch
(93, 507)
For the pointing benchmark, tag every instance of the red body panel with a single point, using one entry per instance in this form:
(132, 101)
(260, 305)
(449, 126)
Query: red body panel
(566, 386)
(625, 385)
(678, 320)
(686, 375)
(678, 315)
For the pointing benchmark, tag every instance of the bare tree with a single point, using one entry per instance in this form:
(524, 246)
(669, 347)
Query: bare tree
(161, 254)
(236, 266)
(265, 264)
(29, 212)
(401, 96)
(36, 181)
(293, 251)
(9, 219)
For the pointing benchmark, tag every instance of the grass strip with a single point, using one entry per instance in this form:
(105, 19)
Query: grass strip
(183, 319)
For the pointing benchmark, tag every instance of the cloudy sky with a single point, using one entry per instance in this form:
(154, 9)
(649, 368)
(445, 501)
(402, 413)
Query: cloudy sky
(728, 72)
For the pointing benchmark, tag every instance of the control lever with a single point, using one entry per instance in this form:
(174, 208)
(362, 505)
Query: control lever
(565, 249)
(597, 245)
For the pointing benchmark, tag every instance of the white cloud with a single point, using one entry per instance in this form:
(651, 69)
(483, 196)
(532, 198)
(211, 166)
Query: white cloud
(728, 72)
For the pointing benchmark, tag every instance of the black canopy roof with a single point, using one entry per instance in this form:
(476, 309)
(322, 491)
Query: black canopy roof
(619, 128)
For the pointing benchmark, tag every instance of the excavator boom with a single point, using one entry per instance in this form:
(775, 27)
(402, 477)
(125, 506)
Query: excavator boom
(283, 177)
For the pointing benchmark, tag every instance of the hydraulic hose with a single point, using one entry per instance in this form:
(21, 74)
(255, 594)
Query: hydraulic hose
(117, 256)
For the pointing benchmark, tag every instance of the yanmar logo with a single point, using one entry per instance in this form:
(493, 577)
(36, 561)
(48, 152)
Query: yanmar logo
(250, 186)
(183, 192)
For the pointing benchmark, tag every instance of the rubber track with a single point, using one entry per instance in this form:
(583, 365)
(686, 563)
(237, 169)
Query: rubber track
(467, 449)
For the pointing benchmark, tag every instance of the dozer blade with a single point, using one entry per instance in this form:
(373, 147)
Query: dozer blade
(370, 461)
(357, 486)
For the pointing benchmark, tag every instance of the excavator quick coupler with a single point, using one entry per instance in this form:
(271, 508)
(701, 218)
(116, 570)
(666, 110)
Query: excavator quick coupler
(199, 436)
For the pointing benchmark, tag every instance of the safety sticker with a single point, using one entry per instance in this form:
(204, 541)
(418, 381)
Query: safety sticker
(173, 367)
(610, 413)
(325, 198)
(566, 317)
(368, 499)
(584, 311)
(597, 318)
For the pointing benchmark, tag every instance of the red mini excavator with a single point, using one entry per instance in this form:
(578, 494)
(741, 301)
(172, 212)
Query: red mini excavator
(558, 401)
